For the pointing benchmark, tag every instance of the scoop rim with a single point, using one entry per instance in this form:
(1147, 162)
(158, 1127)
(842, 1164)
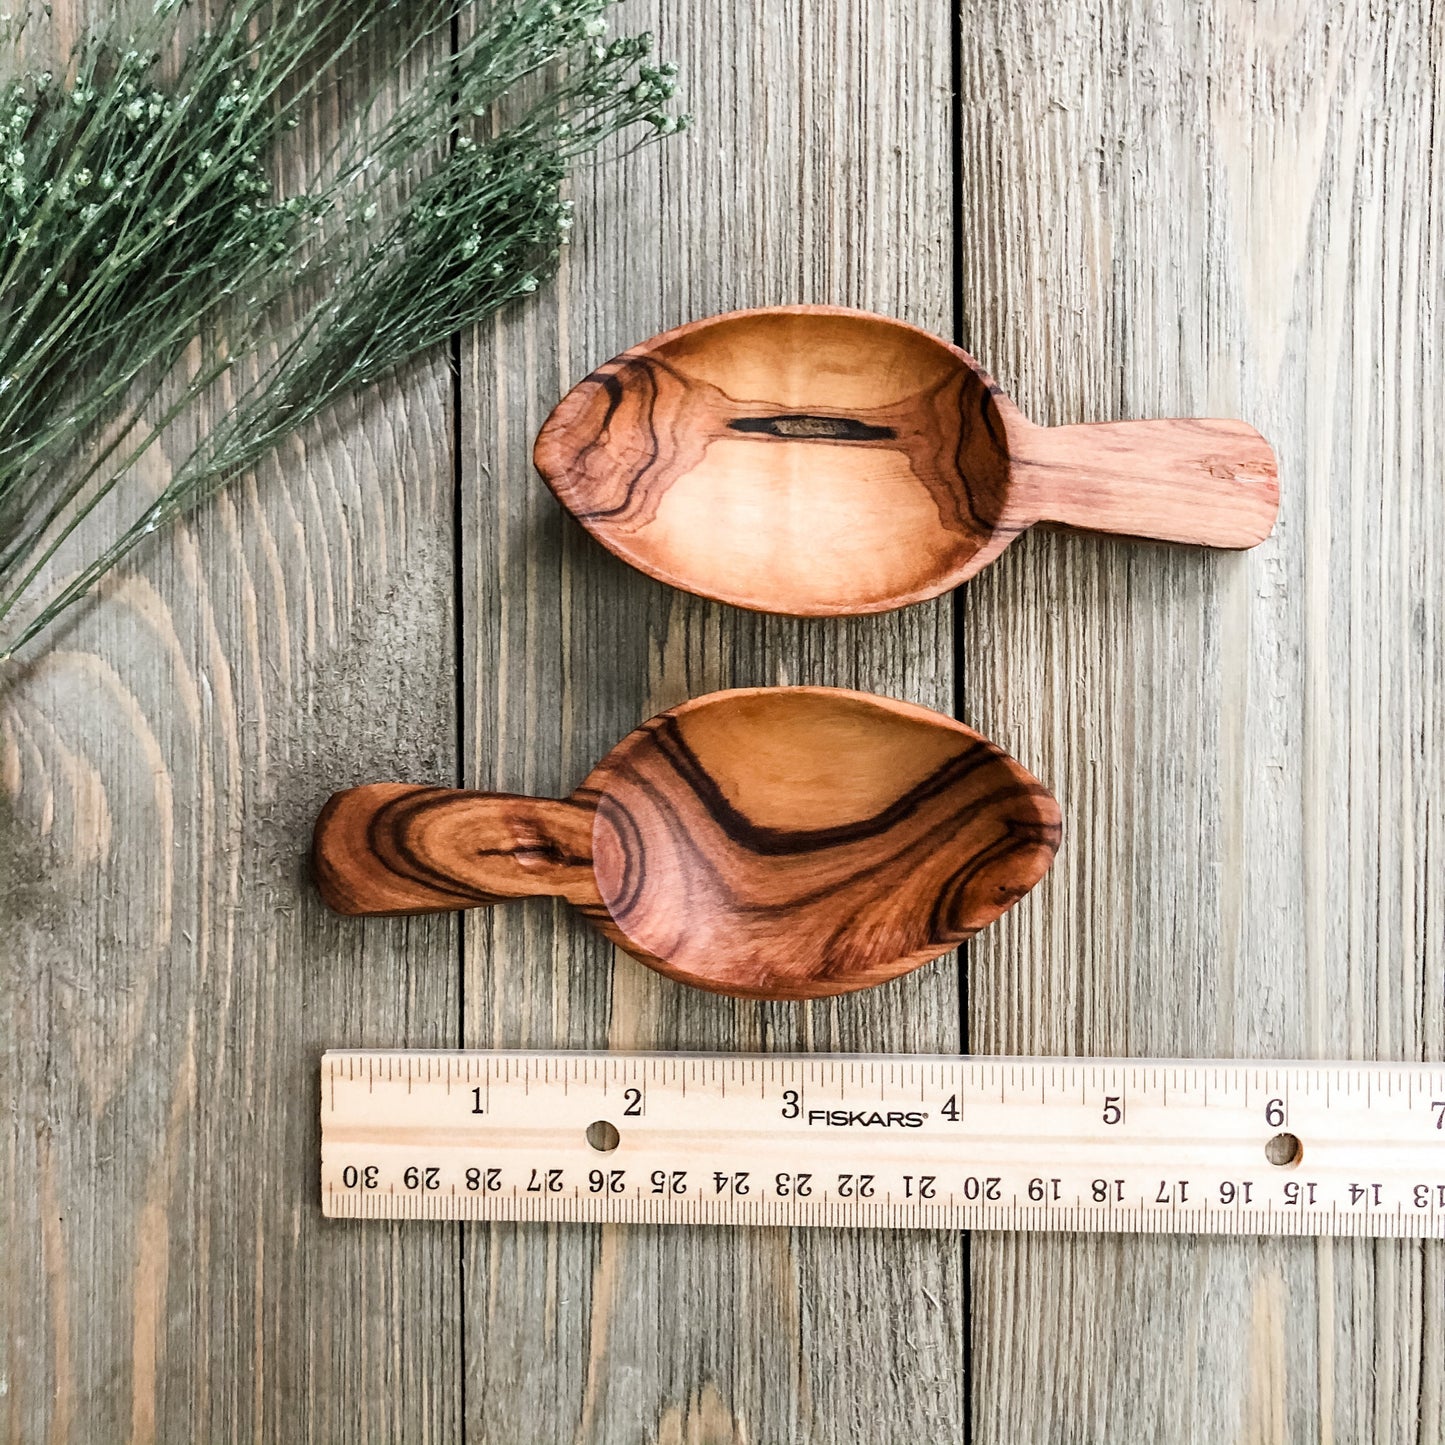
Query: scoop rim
(593, 791)
(550, 456)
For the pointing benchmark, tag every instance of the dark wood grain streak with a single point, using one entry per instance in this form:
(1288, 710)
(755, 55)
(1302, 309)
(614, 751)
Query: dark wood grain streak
(647, 453)
(792, 425)
(394, 848)
(891, 834)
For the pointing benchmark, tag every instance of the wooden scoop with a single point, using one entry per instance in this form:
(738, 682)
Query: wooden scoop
(769, 842)
(818, 461)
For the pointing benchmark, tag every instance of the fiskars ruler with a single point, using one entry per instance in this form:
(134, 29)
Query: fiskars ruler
(897, 1142)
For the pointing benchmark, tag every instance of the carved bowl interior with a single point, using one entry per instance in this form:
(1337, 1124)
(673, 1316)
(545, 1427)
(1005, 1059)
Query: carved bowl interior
(802, 459)
(806, 841)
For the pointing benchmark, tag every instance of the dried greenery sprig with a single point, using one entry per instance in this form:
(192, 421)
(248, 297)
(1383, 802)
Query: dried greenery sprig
(148, 256)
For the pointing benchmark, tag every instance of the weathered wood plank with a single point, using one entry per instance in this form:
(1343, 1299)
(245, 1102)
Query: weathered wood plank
(170, 978)
(1164, 209)
(1229, 210)
(818, 171)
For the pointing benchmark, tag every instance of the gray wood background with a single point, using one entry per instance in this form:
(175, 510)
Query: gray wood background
(1124, 208)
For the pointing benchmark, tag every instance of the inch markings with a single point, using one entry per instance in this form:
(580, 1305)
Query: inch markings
(1092, 1145)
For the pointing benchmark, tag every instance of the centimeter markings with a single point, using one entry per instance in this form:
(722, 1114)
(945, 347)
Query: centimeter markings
(905, 1141)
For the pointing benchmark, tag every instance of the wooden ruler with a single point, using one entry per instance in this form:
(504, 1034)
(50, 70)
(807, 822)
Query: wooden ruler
(907, 1141)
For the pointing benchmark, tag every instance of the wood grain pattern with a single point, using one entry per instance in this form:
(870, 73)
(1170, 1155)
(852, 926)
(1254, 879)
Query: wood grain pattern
(835, 116)
(1231, 209)
(821, 461)
(385, 849)
(170, 978)
(779, 843)
(1235, 209)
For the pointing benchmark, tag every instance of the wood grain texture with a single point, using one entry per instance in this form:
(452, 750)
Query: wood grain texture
(819, 461)
(771, 843)
(1232, 209)
(385, 849)
(817, 171)
(1165, 209)
(170, 978)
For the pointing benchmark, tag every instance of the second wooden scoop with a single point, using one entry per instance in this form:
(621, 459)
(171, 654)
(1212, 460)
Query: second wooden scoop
(768, 842)
(818, 461)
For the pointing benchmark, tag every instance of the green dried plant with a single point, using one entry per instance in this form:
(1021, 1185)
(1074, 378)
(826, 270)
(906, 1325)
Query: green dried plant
(149, 259)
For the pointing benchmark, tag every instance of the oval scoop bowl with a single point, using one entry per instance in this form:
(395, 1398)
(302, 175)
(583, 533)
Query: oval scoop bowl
(778, 843)
(820, 461)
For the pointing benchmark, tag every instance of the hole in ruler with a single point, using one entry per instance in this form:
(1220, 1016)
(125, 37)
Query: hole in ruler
(602, 1136)
(1284, 1149)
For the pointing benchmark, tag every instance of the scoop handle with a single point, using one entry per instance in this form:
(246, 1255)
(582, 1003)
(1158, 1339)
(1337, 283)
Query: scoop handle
(390, 848)
(1213, 483)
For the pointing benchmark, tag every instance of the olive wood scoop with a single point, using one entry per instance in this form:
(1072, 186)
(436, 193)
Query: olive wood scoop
(820, 461)
(768, 842)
